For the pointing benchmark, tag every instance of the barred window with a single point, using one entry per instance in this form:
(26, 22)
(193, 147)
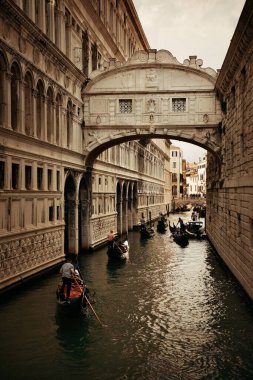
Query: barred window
(125, 106)
(178, 104)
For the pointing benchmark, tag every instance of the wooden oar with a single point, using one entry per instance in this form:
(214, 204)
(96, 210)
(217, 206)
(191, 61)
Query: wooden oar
(86, 298)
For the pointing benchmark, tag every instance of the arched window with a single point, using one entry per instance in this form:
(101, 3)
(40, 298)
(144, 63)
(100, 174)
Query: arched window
(57, 118)
(50, 115)
(15, 96)
(28, 105)
(2, 79)
(69, 123)
(39, 109)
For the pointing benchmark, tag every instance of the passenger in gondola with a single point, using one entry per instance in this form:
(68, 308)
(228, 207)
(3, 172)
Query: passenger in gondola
(125, 242)
(110, 239)
(142, 221)
(67, 272)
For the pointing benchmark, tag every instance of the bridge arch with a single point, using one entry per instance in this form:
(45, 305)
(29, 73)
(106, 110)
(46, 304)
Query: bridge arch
(151, 96)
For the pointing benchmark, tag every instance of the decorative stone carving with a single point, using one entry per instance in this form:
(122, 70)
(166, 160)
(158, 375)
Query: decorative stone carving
(18, 256)
(22, 44)
(36, 55)
(205, 118)
(151, 78)
(151, 105)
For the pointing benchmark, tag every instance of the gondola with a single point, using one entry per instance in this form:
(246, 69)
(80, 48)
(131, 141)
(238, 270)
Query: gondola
(118, 251)
(146, 232)
(181, 237)
(79, 294)
(195, 229)
(172, 228)
(162, 225)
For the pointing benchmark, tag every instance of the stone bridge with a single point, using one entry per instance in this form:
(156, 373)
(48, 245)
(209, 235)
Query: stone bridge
(151, 96)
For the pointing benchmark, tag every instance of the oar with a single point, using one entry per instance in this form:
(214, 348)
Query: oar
(86, 298)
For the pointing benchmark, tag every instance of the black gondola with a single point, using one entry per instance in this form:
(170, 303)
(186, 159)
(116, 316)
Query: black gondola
(181, 237)
(172, 228)
(162, 225)
(118, 251)
(146, 232)
(195, 229)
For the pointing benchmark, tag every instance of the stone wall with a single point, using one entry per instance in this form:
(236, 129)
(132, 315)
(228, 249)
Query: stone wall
(230, 181)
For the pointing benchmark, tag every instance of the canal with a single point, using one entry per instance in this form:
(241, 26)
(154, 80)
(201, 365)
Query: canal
(168, 313)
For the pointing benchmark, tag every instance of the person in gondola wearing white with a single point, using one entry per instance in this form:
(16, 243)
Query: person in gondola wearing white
(67, 272)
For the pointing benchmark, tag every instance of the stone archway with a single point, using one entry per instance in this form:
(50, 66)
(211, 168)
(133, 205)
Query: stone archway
(83, 215)
(151, 96)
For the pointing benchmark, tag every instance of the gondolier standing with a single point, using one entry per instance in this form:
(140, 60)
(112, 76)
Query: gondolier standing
(67, 271)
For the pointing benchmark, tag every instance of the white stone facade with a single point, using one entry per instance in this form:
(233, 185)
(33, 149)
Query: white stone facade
(47, 51)
(176, 157)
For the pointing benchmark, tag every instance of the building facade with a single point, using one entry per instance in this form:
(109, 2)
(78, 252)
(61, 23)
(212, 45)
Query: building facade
(176, 157)
(230, 181)
(48, 50)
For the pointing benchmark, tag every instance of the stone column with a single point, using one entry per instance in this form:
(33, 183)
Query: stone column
(7, 101)
(51, 21)
(130, 214)
(22, 175)
(21, 108)
(125, 216)
(44, 111)
(32, 10)
(8, 170)
(54, 123)
(34, 176)
(42, 16)
(34, 115)
(61, 24)
(119, 217)
(44, 179)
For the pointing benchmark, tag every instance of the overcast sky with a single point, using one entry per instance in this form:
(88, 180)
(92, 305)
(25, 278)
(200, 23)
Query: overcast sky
(190, 27)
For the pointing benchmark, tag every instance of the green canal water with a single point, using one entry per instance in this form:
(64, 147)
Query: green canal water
(168, 313)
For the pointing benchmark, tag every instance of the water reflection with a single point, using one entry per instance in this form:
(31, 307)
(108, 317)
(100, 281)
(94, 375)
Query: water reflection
(72, 333)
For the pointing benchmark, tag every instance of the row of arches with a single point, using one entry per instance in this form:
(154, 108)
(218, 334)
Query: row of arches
(77, 211)
(32, 107)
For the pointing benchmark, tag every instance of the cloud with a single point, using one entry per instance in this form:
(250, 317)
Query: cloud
(190, 27)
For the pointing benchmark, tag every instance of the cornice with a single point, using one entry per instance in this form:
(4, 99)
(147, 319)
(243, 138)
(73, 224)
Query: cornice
(137, 24)
(240, 43)
(37, 38)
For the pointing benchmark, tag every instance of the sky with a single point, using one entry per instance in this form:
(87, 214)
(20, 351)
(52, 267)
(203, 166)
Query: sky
(190, 27)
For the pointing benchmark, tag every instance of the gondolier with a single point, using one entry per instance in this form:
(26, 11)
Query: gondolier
(68, 272)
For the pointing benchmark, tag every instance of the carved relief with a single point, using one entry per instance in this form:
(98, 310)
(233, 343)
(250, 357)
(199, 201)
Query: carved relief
(100, 228)
(151, 78)
(21, 255)
(205, 118)
(151, 105)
